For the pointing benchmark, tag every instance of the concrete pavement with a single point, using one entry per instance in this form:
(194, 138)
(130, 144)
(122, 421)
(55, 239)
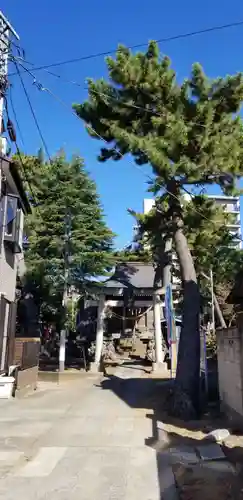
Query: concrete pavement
(83, 440)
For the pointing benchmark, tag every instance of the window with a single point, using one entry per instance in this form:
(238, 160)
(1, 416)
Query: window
(13, 233)
(10, 215)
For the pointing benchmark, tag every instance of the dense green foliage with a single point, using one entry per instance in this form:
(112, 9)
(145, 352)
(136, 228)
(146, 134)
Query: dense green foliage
(64, 200)
(190, 133)
(187, 132)
(133, 253)
(209, 239)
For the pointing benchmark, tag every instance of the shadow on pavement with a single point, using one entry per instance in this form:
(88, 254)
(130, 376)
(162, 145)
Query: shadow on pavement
(198, 483)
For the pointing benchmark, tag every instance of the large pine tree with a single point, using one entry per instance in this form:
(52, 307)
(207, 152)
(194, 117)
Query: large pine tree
(189, 133)
(64, 199)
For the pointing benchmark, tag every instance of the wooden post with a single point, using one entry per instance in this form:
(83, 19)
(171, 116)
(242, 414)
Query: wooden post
(123, 318)
(157, 330)
(159, 365)
(99, 332)
(62, 350)
(173, 358)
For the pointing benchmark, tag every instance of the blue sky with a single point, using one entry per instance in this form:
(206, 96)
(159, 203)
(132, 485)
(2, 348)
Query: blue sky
(53, 31)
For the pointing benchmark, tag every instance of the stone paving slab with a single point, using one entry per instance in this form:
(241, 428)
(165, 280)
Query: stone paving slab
(141, 480)
(42, 464)
(82, 442)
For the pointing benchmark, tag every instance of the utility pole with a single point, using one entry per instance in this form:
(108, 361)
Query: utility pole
(7, 32)
(216, 304)
(63, 335)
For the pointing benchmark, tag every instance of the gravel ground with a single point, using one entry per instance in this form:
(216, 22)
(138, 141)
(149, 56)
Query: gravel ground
(201, 483)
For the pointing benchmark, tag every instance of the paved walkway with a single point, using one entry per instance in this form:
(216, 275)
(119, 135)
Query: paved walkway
(84, 440)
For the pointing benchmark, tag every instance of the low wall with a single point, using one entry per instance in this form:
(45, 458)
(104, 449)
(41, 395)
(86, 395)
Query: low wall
(26, 380)
(230, 370)
(26, 358)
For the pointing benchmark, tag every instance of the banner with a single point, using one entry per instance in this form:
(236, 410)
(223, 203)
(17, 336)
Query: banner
(170, 316)
(171, 329)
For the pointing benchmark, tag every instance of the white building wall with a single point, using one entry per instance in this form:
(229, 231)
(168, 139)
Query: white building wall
(9, 260)
(231, 204)
(148, 204)
(8, 274)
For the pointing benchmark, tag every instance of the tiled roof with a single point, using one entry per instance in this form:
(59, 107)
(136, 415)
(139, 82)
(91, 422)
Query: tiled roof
(132, 275)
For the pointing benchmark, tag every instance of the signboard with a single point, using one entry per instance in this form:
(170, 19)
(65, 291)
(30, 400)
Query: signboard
(171, 328)
(170, 316)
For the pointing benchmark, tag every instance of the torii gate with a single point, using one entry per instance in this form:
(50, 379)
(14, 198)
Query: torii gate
(134, 280)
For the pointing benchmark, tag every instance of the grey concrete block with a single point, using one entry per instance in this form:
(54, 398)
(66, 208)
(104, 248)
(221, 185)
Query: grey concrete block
(219, 466)
(210, 452)
(182, 454)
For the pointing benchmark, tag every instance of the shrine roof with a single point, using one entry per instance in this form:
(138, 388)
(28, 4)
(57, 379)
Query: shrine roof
(131, 275)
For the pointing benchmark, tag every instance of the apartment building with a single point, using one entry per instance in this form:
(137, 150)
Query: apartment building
(231, 205)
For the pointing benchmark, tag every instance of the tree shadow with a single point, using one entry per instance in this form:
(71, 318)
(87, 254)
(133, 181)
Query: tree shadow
(168, 434)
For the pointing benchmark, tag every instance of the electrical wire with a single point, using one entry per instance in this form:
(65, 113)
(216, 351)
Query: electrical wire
(179, 36)
(26, 175)
(162, 40)
(123, 104)
(81, 85)
(33, 113)
(15, 116)
(140, 168)
(24, 170)
(42, 88)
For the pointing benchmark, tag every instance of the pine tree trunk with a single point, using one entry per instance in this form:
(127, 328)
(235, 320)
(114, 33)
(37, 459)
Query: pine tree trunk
(187, 384)
(185, 402)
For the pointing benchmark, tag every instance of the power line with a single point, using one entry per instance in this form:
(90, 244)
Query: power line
(24, 170)
(15, 116)
(45, 89)
(33, 113)
(138, 166)
(172, 38)
(81, 85)
(25, 174)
